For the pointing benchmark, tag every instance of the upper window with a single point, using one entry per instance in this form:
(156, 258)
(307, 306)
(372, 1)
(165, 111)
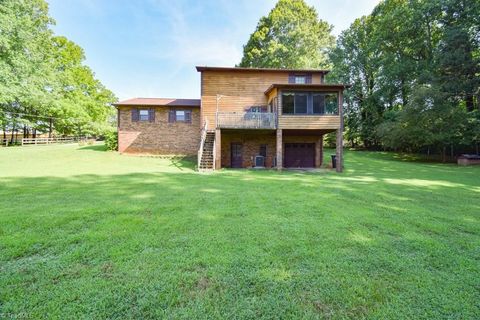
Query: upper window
(143, 115)
(309, 103)
(180, 115)
(301, 101)
(288, 102)
(300, 79)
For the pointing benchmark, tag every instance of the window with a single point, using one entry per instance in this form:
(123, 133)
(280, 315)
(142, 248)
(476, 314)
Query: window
(263, 150)
(143, 115)
(300, 79)
(288, 102)
(180, 115)
(310, 103)
(301, 100)
(318, 104)
(331, 103)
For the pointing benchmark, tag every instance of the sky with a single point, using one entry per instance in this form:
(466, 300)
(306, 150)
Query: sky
(149, 48)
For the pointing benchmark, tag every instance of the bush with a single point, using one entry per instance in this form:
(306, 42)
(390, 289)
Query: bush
(111, 140)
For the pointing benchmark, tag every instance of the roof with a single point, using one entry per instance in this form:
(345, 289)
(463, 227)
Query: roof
(159, 102)
(337, 86)
(206, 68)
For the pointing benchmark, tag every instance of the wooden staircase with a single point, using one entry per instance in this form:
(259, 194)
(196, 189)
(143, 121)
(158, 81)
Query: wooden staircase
(207, 160)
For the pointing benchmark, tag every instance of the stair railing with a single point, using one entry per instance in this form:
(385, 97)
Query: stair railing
(214, 151)
(203, 136)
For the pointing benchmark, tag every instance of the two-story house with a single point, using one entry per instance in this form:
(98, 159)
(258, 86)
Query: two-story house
(246, 117)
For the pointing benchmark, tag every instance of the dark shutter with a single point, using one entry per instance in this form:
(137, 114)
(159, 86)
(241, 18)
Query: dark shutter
(151, 115)
(188, 116)
(135, 114)
(291, 78)
(171, 116)
(308, 78)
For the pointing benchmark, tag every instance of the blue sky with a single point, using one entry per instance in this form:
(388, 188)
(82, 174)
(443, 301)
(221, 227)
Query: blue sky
(149, 48)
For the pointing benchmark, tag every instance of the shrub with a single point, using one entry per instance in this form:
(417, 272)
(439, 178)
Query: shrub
(111, 140)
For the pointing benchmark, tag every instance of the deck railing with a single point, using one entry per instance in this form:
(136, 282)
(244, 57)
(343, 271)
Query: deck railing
(246, 120)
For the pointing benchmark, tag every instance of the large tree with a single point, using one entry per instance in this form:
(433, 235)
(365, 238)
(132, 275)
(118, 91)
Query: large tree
(291, 36)
(44, 84)
(414, 66)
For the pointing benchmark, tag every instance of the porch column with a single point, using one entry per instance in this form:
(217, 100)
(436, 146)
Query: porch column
(339, 149)
(279, 149)
(218, 149)
(319, 152)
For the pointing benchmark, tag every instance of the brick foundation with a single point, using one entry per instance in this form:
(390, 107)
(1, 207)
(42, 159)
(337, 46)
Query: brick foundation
(251, 147)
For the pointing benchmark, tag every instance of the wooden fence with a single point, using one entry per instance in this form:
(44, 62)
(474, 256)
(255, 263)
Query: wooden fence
(40, 141)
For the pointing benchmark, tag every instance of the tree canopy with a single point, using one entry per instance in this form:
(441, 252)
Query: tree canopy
(291, 36)
(414, 70)
(45, 85)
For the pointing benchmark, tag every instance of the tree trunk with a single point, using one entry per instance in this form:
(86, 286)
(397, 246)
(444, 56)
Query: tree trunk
(50, 129)
(469, 102)
(444, 154)
(34, 133)
(13, 130)
(451, 152)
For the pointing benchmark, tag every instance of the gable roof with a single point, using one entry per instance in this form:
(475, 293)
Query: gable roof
(159, 102)
(206, 68)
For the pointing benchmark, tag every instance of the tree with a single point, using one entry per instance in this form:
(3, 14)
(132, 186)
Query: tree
(44, 84)
(83, 103)
(356, 61)
(291, 36)
(414, 66)
(24, 59)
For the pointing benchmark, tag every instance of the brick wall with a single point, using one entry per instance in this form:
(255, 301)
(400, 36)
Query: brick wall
(251, 147)
(158, 137)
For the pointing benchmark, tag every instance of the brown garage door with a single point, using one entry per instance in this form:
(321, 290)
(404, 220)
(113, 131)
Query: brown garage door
(299, 155)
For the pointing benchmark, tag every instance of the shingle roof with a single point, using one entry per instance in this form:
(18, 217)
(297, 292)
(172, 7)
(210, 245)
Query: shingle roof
(206, 68)
(159, 102)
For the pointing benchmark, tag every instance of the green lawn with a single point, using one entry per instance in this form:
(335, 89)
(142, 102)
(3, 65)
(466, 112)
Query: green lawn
(86, 233)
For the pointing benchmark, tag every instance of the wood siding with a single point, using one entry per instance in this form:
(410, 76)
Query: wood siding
(240, 90)
(308, 122)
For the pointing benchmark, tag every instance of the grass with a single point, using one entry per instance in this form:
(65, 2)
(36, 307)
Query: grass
(86, 233)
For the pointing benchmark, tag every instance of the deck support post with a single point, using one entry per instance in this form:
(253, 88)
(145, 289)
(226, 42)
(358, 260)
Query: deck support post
(319, 152)
(218, 149)
(279, 149)
(339, 146)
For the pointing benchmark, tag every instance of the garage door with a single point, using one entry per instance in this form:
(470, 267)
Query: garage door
(299, 155)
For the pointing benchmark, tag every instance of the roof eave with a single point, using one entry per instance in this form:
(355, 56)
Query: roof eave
(307, 86)
(207, 68)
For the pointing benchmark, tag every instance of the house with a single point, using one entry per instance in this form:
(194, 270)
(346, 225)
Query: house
(246, 117)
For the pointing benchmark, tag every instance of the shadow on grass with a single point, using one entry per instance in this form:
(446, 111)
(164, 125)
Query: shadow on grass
(95, 147)
(234, 237)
